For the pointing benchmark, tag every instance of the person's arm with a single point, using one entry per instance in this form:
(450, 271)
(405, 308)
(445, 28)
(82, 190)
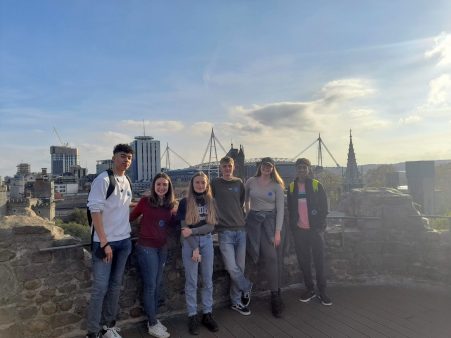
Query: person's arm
(213, 187)
(203, 229)
(247, 189)
(323, 207)
(279, 214)
(242, 193)
(137, 210)
(186, 233)
(96, 204)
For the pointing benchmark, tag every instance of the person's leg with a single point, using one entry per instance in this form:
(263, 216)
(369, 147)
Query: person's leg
(121, 251)
(317, 241)
(191, 271)
(232, 245)
(100, 277)
(269, 253)
(148, 262)
(206, 264)
(207, 252)
(162, 257)
(304, 247)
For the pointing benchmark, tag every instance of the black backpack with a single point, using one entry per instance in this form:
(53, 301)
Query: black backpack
(109, 191)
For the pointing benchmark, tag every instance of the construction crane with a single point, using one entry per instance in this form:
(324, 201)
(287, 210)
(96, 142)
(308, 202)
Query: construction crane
(64, 144)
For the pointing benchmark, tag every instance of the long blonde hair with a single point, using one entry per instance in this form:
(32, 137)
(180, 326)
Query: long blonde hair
(275, 176)
(192, 212)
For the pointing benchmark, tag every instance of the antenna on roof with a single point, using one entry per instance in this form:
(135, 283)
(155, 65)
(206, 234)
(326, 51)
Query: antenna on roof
(144, 128)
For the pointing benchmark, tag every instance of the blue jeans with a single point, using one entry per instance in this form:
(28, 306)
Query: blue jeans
(191, 271)
(233, 249)
(151, 263)
(106, 285)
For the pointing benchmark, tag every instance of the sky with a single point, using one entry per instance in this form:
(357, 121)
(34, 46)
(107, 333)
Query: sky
(268, 75)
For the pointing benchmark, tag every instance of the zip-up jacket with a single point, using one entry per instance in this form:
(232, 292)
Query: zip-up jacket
(316, 204)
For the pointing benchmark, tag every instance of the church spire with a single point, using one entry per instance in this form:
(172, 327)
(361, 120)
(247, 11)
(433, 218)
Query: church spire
(352, 176)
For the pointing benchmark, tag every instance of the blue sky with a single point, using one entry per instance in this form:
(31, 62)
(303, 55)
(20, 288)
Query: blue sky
(269, 75)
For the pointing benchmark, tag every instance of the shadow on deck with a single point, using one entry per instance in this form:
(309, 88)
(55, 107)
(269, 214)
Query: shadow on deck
(358, 311)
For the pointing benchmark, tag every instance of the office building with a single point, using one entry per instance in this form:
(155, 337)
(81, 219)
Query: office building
(23, 169)
(146, 159)
(103, 165)
(62, 158)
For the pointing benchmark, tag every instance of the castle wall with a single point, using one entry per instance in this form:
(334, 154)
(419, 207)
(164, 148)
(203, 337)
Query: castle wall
(45, 293)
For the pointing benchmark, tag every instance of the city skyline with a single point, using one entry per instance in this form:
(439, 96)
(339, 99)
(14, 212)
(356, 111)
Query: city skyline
(266, 76)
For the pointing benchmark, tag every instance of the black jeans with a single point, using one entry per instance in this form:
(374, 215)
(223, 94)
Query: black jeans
(310, 243)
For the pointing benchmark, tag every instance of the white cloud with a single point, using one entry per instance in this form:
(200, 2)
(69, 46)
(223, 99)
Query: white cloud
(152, 127)
(441, 50)
(412, 119)
(440, 90)
(201, 128)
(335, 107)
(347, 89)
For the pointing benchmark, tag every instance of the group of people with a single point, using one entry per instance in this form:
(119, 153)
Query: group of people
(247, 217)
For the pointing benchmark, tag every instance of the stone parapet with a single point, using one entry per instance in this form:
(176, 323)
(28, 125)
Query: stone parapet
(45, 293)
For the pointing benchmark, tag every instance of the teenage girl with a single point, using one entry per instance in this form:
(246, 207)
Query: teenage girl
(158, 216)
(197, 215)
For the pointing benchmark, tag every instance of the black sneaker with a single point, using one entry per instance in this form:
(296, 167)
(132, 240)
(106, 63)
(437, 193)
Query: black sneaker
(209, 322)
(307, 296)
(193, 325)
(276, 304)
(246, 297)
(324, 299)
(244, 310)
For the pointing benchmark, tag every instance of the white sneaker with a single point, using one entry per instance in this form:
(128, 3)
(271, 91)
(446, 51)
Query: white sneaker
(157, 331)
(111, 332)
(160, 325)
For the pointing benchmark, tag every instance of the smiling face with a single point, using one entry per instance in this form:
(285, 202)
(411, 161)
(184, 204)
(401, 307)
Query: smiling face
(199, 184)
(266, 169)
(302, 171)
(122, 161)
(161, 187)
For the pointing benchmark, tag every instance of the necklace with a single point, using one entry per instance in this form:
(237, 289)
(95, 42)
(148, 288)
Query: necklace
(121, 182)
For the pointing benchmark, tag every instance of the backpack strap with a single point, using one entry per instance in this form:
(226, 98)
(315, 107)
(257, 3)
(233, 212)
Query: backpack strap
(315, 185)
(112, 184)
(292, 187)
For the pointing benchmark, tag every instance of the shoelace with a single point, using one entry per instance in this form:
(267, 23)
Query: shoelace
(114, 329)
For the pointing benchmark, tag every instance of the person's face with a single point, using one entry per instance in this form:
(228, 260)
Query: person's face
(302, 171)
(122, 161)
(199, 184)
(161, 187)
(227, 170)
(266, 168)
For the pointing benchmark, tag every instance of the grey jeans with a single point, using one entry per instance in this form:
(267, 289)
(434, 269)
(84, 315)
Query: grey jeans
(261, 228)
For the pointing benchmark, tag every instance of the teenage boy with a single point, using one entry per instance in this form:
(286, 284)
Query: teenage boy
(111, 244)
(307, 208)
(229, 194)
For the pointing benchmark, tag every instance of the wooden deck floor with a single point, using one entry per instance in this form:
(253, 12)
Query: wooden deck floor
(358, 311)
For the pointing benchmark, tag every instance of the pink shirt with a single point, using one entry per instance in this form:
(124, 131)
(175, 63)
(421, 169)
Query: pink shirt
(303, 222)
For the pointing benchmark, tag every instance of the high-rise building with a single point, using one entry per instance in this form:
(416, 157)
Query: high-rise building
(23, 169)
(103, 165)
(421, 183)
(146, 159)
(62, 158)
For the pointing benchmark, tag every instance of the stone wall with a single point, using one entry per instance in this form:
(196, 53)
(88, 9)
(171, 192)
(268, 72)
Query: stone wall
(396, 247)
(45, 293)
